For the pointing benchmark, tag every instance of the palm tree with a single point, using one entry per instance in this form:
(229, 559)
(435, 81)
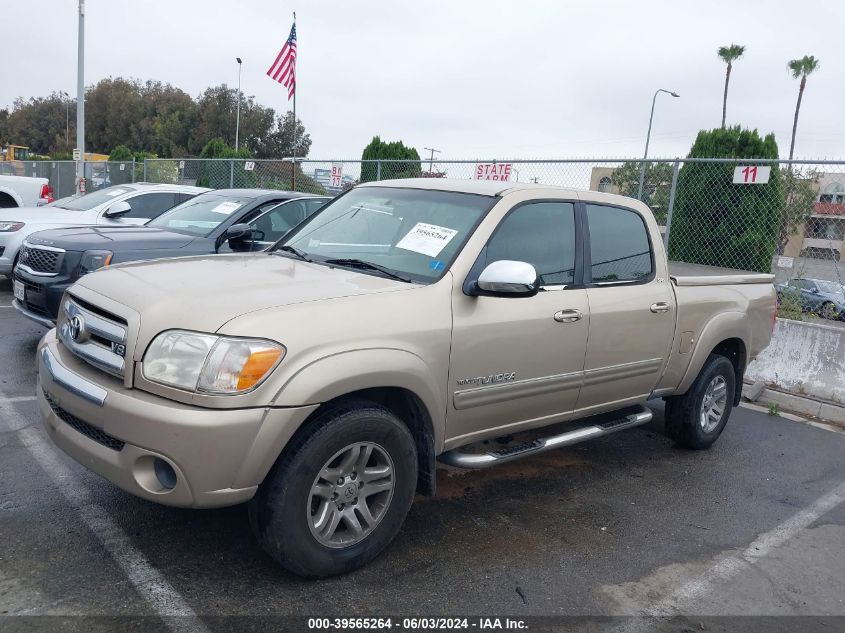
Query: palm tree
(729, 54)
(800, 68)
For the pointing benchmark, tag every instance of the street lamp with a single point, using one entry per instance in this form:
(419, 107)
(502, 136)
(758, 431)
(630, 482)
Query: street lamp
(67, 119)
(648, 137)
(238, 116)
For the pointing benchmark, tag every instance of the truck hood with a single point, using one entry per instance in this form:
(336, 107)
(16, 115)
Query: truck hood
(202, 293)
(42, 215)
(111, 238)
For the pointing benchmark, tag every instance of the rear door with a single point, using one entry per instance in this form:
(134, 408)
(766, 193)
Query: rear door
(632, 309)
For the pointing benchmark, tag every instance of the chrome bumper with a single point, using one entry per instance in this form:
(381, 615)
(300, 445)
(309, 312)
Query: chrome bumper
(65, 378)
(41, 320)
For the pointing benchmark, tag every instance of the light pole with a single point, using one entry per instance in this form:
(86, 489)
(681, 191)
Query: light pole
(648, 137)
(67, 119)
(80, 97)
(238, 116)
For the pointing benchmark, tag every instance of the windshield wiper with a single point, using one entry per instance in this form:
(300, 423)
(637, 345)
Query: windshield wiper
(360, 263)
(290, 249)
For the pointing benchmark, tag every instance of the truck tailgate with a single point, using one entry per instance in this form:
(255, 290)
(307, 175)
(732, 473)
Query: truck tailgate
(684, 274)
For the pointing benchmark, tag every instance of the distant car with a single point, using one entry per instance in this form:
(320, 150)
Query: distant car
(223, 221)
(124, 205)
(825, 298)
(24, 191)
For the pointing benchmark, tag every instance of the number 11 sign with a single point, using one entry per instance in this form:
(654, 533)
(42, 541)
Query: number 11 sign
(752, 174)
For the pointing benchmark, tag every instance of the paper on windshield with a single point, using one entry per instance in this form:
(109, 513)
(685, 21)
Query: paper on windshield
(226, 208)
(115, 192)
(428, 239)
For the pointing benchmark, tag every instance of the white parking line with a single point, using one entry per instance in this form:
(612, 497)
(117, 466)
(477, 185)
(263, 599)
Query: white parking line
(680, 600)
(148, 582)
(18, 399)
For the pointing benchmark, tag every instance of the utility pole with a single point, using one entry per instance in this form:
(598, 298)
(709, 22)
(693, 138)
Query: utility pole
(238, 117)
(80, 98)
(67, 119)
(431, 158)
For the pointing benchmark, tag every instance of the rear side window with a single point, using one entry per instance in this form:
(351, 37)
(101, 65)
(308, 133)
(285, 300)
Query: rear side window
(541, 234)
(619, 246)
(151, 205)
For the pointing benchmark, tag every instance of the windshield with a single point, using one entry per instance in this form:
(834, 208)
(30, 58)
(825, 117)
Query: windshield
(412, 232)
(200, 215)
(93, 199)
(829, 287)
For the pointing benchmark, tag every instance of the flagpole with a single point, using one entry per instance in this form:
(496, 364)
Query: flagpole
(293, 168)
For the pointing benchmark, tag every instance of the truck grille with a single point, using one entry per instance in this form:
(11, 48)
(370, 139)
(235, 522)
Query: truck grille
(95, 336)
(89, 431)
(40, 260)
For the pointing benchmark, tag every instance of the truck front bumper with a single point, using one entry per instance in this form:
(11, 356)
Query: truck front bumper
(155, 448)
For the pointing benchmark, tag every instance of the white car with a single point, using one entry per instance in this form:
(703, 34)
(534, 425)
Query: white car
(23, 191)
(122, 205)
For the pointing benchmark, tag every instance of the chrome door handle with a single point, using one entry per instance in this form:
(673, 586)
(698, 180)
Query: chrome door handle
(660, 306)
(568, 316)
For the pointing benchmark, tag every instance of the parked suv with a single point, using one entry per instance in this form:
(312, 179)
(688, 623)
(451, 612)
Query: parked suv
(222, 221)
(825, 298)
(122, 205)
(406, 321)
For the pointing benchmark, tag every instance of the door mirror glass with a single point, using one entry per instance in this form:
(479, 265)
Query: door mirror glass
(118, 209)
(508, 278)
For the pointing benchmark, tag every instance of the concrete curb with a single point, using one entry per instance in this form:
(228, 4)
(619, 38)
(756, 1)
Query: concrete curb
(790, 402)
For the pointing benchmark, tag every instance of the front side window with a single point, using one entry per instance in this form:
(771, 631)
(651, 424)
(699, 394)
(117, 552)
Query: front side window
(541, 234)
(619, 246)
(150, 205)
(275, 223)
(411, 232)
(201, 215)
(95, 198)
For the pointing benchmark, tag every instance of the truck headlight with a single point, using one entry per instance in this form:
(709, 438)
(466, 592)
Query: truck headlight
(94, 260)
(208, 363)
(11, 227)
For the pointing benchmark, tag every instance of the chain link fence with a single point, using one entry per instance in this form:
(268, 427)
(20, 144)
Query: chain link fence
(785, 217)
(62, 173)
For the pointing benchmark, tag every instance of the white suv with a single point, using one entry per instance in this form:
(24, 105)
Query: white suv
(136, 203)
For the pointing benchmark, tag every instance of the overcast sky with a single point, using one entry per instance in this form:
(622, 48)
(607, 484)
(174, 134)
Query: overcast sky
(498, 79)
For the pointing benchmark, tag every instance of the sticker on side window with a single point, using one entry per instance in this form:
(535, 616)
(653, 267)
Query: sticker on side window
(428, 239)
(226, 208)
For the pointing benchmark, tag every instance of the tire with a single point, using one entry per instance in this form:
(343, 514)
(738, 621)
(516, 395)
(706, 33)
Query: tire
(685, 419)
(285, 512)
(828, 311)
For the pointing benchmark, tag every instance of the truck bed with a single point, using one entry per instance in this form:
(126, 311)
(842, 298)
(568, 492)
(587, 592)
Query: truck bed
(684, 274)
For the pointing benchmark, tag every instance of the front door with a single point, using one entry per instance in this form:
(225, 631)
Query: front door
(632, 310)
(519, 360)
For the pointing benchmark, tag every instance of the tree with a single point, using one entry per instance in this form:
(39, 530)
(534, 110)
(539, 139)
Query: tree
(656, 185)
(286, 140)
(729, 54)
(800, 68)
(389, 153)
(718, 223)
(121, 153)
(799, 200)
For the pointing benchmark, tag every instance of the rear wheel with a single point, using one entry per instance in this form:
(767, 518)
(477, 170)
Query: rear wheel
(339, 493)
(696, 419)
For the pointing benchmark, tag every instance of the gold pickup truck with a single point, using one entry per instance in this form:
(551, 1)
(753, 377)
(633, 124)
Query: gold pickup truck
(407, 322)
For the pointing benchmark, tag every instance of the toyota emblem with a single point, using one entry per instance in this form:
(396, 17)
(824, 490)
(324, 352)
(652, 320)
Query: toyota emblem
(76, 328)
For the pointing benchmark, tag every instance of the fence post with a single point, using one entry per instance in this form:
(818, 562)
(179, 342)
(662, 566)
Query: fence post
(133, 169)
(231, 173)
(672, 190)
(378, 169)
(145, 169)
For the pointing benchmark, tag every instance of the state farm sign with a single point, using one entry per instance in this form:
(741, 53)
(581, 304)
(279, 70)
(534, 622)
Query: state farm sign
(493, 171)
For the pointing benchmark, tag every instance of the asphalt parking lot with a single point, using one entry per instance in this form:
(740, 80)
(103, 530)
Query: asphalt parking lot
(626, 525)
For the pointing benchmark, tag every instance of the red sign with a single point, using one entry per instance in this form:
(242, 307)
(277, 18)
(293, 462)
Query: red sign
(493, 171)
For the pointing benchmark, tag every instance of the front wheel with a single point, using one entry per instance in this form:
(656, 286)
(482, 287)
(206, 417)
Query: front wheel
(339, 493)
(696, 419)
(828, 311)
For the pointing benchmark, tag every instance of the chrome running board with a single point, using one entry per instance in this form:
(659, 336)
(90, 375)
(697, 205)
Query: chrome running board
(598, 426)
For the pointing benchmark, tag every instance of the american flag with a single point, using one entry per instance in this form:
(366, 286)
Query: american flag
(283, 69)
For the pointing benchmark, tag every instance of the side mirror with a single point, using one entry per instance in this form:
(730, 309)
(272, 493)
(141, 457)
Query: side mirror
(237, 234)
(118, 209)
(507, 278)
